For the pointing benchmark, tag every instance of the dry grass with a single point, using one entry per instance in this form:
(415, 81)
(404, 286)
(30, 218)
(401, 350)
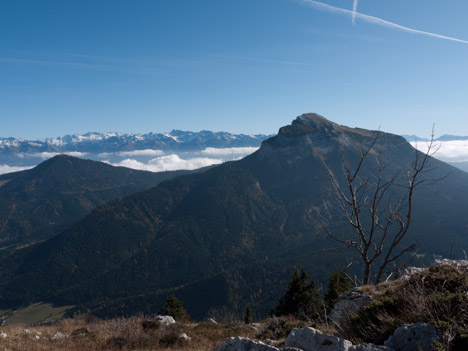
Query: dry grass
(121, 334)
(140, 333)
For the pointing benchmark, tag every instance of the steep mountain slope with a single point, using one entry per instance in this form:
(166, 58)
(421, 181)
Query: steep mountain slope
(230, 235)
(41, 202)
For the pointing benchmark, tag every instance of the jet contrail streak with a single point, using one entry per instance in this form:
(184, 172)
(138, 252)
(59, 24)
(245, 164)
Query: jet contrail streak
(355, 10)
(375, 20)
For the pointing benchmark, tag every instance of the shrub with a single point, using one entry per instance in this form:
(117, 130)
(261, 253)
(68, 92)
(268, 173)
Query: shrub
(437, 296)
(174, 308)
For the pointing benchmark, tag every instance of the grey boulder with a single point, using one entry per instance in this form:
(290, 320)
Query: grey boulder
(350, 302)
(166, 320)
(244, 344)
(310, 339)
(410, 337)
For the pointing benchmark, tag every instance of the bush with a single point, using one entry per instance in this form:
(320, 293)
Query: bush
(174, 308)
(150, 325)
(437, 296)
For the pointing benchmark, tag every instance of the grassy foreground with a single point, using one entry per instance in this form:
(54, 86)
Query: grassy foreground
(437, 295)
(139, 333)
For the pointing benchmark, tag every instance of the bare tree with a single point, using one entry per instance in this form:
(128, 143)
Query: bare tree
(378, 208)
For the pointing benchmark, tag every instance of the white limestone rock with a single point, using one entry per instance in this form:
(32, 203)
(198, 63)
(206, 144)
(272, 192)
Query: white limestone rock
(25, 332)
(244, 344)
(185, 337)
(310, 339)
(455, 263)
(166, 320)
(58, 336)
(369, 347)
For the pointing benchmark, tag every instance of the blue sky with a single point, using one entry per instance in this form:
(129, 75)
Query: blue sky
(244, 66)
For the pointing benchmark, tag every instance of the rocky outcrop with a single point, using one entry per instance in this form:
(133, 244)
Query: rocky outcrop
(304, 339)
(408, 272)
(369, 347)
(350, 302)
(166, 320)
(463, 264)
(310, 339)
(58, 335)
(184, 337)
(417, 336)
(244, 344)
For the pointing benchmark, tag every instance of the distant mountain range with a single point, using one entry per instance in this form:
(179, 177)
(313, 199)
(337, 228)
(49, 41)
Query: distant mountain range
(445, 137)
(167, 151)
(153, 151)
(174, 141)
(96, 143)
(232, 234)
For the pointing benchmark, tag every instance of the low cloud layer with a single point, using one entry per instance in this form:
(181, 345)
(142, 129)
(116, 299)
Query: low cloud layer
(146, 152)
(229, 151)
(9, 169)
(168, 163)
(447, 151)
(146, 160)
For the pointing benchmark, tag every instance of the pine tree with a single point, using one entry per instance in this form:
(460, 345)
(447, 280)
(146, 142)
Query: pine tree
(248, 315)
(337, 284)
(174, 308)
(302, 298)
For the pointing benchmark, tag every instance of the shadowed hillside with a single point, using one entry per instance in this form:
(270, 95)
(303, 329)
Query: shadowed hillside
(41, 202)
(232, 234)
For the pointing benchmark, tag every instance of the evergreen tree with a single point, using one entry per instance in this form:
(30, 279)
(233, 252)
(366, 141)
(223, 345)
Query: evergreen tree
(174, 308)
(338, 282)
(248, 315)
(302, 298)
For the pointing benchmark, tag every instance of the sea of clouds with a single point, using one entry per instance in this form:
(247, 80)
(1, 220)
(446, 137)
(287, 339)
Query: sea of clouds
(447, 151)
(145, 160)
(454, 151)
(159, 161)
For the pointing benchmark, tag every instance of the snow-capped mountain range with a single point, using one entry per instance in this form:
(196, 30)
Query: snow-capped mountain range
(152, 152)
(176, 140)
(173, 150)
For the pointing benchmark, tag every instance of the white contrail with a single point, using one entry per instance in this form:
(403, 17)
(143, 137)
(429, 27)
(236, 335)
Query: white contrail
(355, 10)
(375, 20)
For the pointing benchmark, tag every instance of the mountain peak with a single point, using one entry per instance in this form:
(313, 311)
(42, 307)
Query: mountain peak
(309, 123)
(59, 160)
(313, 129)
(312, 119)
